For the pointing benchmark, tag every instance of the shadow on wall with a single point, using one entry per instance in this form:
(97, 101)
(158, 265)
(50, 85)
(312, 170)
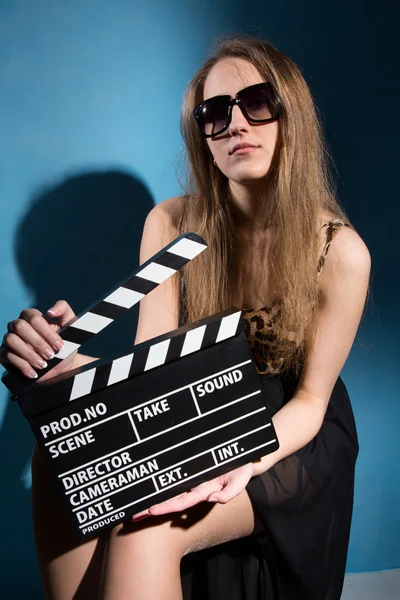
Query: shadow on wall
(76, 241)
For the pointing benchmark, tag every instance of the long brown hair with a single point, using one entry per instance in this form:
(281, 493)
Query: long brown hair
(297, 191)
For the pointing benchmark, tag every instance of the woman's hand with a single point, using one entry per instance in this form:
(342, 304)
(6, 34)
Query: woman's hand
(222, 489)
(32, 339)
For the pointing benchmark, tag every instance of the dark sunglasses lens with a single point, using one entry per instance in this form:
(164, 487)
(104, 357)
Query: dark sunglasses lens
(213, 114)
(259, 102)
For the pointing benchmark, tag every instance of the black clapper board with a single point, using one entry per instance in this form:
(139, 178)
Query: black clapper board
(124, 433)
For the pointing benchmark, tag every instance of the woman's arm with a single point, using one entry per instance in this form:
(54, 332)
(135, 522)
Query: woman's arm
(344, 285)
(32, 339)
(159, 310)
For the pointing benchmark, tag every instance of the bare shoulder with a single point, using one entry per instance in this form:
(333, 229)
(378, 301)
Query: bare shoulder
(161, 227)
(166, 214)
(348, 256)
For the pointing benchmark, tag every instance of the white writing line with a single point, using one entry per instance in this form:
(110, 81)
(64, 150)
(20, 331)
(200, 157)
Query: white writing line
(195, 401)
(134, 426)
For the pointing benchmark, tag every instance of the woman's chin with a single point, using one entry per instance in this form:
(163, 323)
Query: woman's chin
(250, 178)
(248, 174)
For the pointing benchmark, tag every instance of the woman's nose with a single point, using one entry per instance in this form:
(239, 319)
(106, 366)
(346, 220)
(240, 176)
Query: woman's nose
(238, 122)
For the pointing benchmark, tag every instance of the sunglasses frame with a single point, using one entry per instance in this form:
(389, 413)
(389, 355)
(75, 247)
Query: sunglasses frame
(236, 101)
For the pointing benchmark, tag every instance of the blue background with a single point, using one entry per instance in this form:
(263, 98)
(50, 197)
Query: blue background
(89, 140)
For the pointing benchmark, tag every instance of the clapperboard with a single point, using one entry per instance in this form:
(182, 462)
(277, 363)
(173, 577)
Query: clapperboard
(124, 433)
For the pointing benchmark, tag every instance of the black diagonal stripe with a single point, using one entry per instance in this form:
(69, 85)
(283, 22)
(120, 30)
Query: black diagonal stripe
(101, 377)
(241, 326)
(172, 261)
(138, 284)
(175, 348)
(109, 310)
(139, 362)
(77, 336)
(210, 334)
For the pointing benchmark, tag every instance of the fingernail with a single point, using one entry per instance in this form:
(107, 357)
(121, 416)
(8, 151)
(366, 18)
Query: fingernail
(212, 499)
(49, 353)
(42, 364)
(51, 312)
(33, 375)
(136, 519)
(141, 515)
(58, 345)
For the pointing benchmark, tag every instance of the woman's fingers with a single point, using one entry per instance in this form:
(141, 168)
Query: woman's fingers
(21, 349)
(32, 339)
(61, 311)
(7, 357)
(198, 494)
(33, 330)
(234, 484)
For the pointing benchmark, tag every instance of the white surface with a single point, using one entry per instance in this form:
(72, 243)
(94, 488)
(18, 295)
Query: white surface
(120, 369)
(124, 297)
(82, 384)
(156, 273)
(193, 340)
(187, 248)
(91, 322)
(228, 326)
(157, 354)
(380, 585)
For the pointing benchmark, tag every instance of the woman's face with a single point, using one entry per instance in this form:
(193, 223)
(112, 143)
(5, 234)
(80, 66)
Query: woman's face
(228, 77)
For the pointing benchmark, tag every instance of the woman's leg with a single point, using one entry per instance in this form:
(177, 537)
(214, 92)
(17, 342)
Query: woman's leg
(142, 561)
(70, 569)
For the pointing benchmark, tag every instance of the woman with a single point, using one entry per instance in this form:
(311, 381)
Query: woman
(277, 528)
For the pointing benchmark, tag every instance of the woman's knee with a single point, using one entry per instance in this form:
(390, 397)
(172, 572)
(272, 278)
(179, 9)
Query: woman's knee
(177, 535)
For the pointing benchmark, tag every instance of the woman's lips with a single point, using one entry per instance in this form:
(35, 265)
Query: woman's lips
(243, 149)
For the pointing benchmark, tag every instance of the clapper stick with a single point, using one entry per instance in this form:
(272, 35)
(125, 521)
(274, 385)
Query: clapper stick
(97, 317)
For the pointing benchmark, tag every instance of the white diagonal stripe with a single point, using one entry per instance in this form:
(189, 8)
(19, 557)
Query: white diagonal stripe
(91, 322)
(67, 349)
(82, 384)
(120, 369)
(228, 326)
(124, 297)
(155, 272)
(187, 248)
(193, 340)
(157, 354)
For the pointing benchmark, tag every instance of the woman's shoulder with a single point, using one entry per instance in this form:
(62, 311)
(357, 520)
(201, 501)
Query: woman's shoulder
(161, 227)
(348, 253)
(342, 251)
(167, 213)
(350, 240)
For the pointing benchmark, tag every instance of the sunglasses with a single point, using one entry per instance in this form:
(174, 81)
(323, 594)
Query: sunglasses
(259, 104)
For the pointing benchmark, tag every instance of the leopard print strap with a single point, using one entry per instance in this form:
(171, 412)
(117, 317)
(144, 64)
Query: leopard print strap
(332, 227)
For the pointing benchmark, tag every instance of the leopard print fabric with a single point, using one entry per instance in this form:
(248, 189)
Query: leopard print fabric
(260, 323)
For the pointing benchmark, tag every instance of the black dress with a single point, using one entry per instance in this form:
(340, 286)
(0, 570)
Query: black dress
(304, 503)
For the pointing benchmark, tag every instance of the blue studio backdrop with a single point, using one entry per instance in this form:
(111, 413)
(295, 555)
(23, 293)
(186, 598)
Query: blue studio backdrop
(90, 99)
